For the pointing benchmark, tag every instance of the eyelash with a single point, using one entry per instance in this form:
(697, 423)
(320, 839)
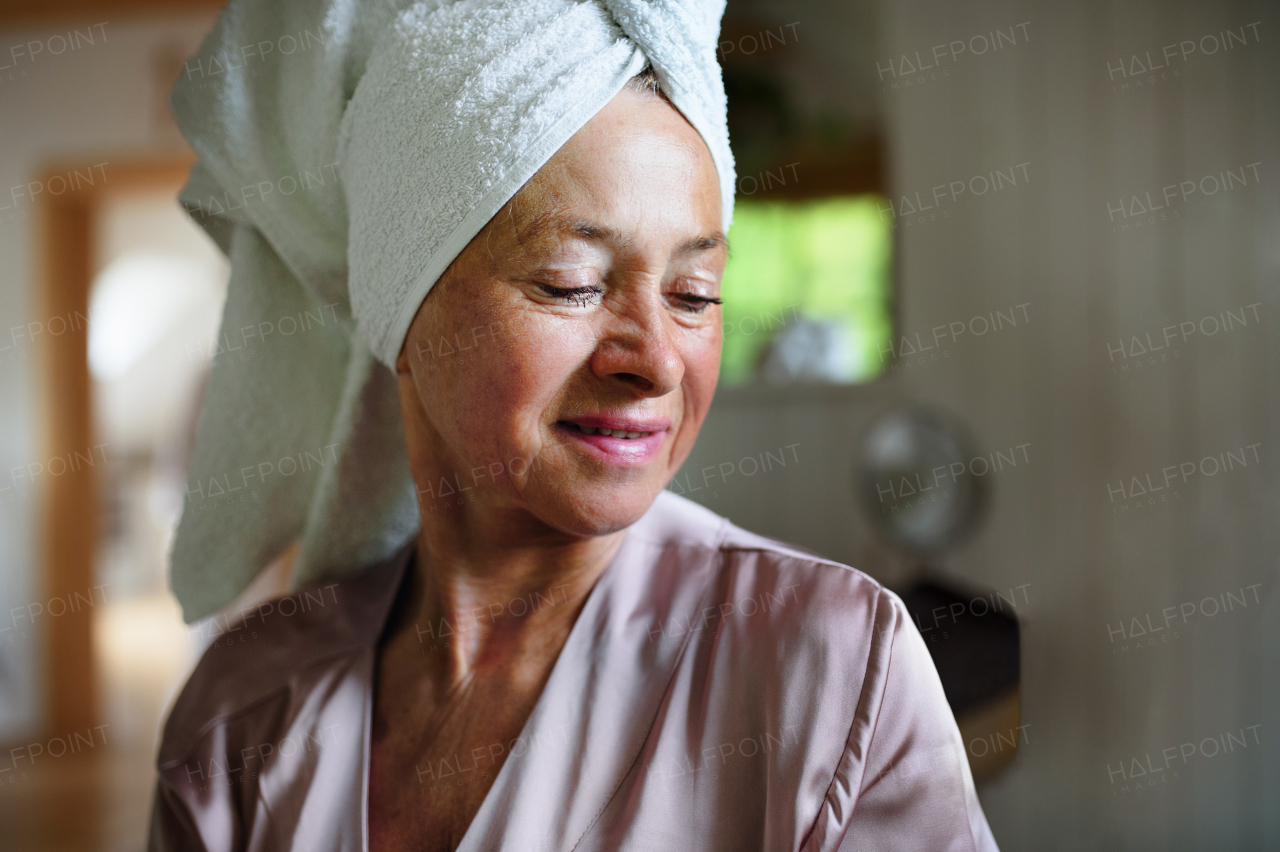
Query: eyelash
(695, 304)
(582, 296)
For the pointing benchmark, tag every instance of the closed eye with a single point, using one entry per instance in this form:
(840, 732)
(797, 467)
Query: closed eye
(579, 296)
(692, 302)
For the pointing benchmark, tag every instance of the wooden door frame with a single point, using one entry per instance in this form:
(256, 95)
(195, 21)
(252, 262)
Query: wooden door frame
(51, 13)
(68, 504)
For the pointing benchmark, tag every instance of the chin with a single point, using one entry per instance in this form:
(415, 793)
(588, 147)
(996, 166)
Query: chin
(607, 510)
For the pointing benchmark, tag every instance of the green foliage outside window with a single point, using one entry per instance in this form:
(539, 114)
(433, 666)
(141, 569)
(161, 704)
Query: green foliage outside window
(792, 263)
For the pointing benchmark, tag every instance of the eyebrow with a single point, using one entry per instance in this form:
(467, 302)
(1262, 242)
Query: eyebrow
(553, 221)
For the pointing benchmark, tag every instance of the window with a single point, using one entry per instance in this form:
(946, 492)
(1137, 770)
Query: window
(807, 291)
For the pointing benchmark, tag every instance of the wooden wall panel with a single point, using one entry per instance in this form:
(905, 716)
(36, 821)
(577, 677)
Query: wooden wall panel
(69, 501)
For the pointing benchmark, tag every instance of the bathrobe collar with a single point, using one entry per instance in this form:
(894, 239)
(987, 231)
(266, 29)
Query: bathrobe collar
(588, 728)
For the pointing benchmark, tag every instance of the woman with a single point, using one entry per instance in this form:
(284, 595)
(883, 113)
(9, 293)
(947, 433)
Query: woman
(562, 655)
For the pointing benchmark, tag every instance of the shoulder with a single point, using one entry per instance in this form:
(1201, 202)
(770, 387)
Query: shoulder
(257, 653)
(786, 641)
(790, 625)
(820, 621)
(801, 592)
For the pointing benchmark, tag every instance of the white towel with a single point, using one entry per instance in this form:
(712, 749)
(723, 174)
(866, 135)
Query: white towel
(348, 151)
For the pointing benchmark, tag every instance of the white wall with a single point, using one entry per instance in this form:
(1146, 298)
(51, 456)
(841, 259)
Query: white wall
(1049, 242)
(100, 102)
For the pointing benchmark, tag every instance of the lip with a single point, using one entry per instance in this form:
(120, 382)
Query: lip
(620, 452)
(626, 424)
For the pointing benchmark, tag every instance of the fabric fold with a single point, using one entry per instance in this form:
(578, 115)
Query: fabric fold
(263, 435)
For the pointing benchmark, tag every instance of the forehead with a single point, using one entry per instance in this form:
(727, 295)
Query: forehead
(636, 170)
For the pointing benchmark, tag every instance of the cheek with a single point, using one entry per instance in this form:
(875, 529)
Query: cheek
(498, 395)
(702, 370)
(536, 361)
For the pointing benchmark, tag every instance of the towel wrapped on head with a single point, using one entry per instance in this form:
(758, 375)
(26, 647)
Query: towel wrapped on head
(348, 151)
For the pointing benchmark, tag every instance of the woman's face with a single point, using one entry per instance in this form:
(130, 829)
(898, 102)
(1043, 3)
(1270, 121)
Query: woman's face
(588, 306)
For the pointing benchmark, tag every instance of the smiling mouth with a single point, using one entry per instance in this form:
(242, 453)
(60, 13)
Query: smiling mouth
(615, 433)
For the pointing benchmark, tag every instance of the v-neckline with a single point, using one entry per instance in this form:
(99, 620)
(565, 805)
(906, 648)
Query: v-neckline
(588, 606)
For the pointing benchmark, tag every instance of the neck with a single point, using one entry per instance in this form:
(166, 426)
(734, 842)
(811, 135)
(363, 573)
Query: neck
(493, 588)
(490, 584)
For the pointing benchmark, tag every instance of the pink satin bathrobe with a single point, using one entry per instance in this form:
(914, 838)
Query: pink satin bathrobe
(719, 691)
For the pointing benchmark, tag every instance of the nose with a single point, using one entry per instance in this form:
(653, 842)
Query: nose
(637, 347)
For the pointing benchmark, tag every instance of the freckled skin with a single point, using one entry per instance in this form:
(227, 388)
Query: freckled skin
(513, 505)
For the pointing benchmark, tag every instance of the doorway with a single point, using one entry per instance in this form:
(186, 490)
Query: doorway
(120, 384)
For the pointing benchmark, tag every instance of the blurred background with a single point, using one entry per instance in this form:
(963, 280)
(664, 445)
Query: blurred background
(999, 331)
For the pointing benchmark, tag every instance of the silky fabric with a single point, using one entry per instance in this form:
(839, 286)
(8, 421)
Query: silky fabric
(718, 691)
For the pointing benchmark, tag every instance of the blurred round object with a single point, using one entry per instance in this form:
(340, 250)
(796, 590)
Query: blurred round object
(919, 481)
